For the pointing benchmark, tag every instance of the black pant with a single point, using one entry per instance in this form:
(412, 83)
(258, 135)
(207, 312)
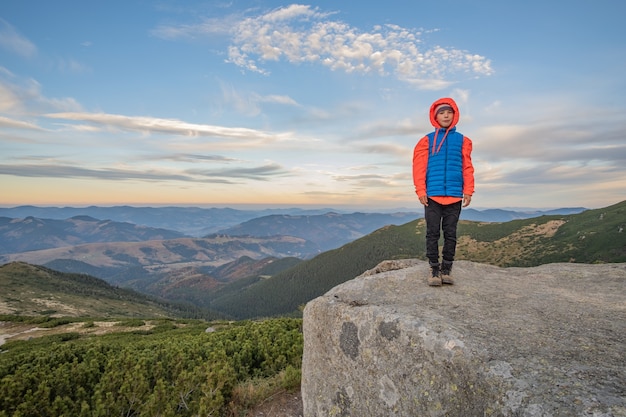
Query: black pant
(441, 217)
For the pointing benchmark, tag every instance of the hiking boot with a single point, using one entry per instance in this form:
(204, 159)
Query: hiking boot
(446, 278)
(435, 279)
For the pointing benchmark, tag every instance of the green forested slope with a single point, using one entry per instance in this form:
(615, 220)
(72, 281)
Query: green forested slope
(589, 237)
(285, 292)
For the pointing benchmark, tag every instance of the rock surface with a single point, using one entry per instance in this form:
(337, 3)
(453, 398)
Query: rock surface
(542, 341)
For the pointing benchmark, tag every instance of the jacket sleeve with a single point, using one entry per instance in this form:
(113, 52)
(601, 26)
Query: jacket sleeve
(468, 167)
(420, 163)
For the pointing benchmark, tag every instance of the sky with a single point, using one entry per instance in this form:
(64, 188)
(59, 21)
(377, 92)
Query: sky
(262, 103)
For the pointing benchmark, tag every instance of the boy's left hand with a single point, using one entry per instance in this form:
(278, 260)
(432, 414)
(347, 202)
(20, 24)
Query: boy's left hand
(467, 199)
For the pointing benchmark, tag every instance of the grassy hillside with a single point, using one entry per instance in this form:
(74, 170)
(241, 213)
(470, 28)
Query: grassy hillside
(588, 237)
(125, 355)
(31, 290)
(592, 236)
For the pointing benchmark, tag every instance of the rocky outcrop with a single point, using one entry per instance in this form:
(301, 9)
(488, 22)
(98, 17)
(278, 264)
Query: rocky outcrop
(542, 341)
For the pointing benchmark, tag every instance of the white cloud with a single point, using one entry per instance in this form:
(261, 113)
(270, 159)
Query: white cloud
(294, 11)
(301, 33)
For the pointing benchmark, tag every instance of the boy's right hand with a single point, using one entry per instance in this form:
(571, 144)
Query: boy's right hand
(424, 200)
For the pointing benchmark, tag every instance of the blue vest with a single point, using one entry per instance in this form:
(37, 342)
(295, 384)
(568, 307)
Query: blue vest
(444, 175)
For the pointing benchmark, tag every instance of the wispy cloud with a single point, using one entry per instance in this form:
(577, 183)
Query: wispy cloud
(11, 40)
(262, 173)
(251, 103)
(567, 149)
(188, 157)
(388, 149)
(147, 125)
(209, 27)
(19, 96)
(72, 66)
(70, 171)
(277, 99)
(223, 175)
(366, 180)
(17, 124)
(560, 141)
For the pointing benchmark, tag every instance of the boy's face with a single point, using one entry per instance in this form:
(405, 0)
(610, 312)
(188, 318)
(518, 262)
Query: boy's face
(444, 118)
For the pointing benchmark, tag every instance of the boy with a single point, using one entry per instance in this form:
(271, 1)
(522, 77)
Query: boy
(443, 175)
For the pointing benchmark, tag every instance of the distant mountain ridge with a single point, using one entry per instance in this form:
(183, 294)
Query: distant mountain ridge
(328, 231)
(197, 222)
(500, 215)
(30, 233)
(158, 256)
(190, 221)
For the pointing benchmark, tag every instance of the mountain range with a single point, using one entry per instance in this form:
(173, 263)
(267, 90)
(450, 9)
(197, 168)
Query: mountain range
(197, 222)
(150, 258)
(325, 231)
(322, 232)
(245, 277)
(31, 233)
(190, 221)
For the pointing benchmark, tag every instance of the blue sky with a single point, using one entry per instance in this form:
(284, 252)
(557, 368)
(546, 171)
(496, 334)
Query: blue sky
(269, 103)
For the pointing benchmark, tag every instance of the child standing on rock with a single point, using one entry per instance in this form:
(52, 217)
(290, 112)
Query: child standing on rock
(443, 175)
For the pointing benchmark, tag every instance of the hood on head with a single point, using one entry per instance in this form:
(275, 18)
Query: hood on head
(451, 103)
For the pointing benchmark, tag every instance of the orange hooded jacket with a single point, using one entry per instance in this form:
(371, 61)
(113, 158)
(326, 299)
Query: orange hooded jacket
(421, 153)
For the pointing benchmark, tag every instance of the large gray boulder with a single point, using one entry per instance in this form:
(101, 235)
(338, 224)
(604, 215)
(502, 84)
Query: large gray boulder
(542, 341)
